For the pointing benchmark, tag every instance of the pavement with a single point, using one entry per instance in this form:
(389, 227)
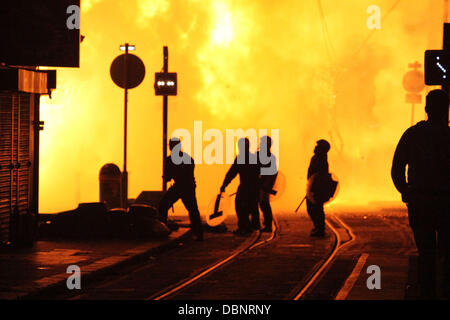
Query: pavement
(383, 240)
(30, 272)
(271, 270)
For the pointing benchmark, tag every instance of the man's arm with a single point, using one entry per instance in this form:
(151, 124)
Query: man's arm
(231, 174)
(398, 170)
(167, 174)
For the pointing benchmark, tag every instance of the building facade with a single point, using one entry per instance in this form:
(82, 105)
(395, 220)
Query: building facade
(20, 90)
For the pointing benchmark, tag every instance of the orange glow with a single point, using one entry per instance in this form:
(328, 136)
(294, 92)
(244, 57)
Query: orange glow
(240, 64)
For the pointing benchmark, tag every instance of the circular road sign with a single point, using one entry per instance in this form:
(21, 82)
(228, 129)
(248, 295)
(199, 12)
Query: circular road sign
(135, 71)
(413, 81)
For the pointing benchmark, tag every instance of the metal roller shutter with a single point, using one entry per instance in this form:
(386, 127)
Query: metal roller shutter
(15, 161)
(5, 160)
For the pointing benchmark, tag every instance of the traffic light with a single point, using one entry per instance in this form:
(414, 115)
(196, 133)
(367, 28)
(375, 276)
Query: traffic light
(437, 67)
(166, 83)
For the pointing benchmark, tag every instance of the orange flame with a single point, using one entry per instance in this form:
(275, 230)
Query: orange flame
(241, 64)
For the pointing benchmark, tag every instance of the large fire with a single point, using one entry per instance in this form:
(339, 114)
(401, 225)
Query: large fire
(310, 68)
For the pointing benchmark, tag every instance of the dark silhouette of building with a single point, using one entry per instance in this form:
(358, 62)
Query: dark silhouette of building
(33, 34)
(425, 149)
(20, 89)
(316, 197)
(180, 168)
(267, 179)
(246, 202)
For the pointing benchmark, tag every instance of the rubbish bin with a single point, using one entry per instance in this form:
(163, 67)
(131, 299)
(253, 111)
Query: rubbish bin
(110, 185)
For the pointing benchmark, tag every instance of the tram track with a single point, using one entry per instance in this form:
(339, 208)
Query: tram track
(320, 269)
(228, 273)
(343, 237)
(246, 247)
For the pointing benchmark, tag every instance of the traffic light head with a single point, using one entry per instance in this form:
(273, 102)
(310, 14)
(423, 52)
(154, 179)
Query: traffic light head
(166, 83)
(437, 67)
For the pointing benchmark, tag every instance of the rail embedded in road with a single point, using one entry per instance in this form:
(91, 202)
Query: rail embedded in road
(339, 243)
(247, 246)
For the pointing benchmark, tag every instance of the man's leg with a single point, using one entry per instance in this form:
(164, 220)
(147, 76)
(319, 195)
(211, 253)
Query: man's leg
(320, 214)
(421, 222)
(311, 209)
(170, 197)
(190, 202)
(264, 203)
(317, 215)
(443, 229)
(242, 211)
(254, 211)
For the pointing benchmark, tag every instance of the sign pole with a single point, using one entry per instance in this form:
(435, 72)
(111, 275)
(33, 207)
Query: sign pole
(165, 85)
(413, 84)
(446, 47)
(127, 72)
(125, 173)
(165, 69)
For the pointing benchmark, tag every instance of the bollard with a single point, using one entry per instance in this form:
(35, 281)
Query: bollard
(110, 185)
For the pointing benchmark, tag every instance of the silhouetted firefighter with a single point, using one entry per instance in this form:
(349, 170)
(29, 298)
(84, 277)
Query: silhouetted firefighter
(267, 180)
(425, 149)
(318, 191)
(246, 202)
(180, 168)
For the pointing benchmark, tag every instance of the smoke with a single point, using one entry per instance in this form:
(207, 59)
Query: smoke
(311, 71)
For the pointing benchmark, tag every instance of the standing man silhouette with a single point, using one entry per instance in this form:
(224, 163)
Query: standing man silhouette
(180, 168)
(268, 176)
(317, 170)
(425, 149)
(246, 202)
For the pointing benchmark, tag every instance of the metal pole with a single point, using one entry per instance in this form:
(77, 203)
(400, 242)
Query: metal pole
(165, 68)
(300, 204)
(446, 47)
(36, 129)
(125, 173)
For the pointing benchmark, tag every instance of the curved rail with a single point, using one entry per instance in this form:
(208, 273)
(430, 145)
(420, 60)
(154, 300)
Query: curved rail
(338, 245)
(186, 282)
